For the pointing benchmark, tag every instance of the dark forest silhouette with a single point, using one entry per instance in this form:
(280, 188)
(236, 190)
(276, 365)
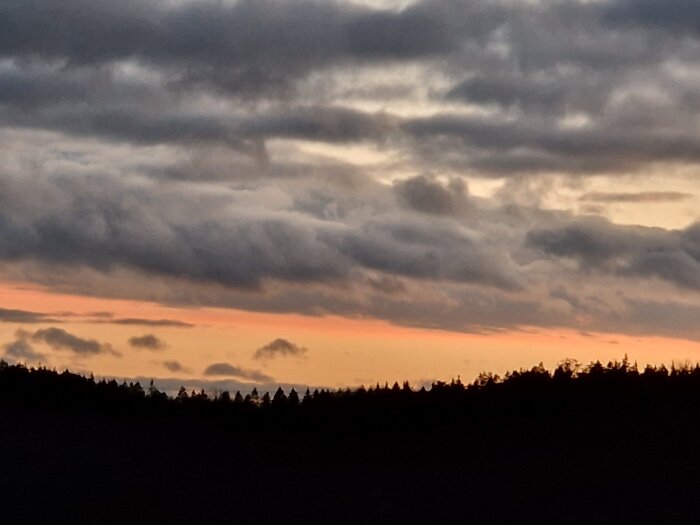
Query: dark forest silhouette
(580, 444)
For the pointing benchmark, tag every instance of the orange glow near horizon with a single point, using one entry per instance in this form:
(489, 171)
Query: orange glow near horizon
(341, 351)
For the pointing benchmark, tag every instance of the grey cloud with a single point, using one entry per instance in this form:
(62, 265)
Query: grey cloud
(135, 234)
(279, 348)
(165, 323)
(226, 369)
(434, 249)
(541, 145)
(324, 124)
(543, 91)
(23, 316)
(386, 284)
(433, 305)
(59, 339)
(173, 366)
(427, 195)
(477, 272)
(671, 15)
(594, 240)
(632, 251)
(244, 46)
(677, 267)
(146, 126)
(666, 317)
(250, 221)
(690, 240)
(64, 58)
(30, 85)
(638, 197)
(236, 246)
(147, 342)
(21, 350)
(17, 316)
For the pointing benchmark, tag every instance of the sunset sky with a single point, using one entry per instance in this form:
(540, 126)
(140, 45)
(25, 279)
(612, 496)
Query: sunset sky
(236, 193)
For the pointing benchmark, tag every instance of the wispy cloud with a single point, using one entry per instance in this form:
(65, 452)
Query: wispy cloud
(229, 370)
(639, 197)
(25, 317)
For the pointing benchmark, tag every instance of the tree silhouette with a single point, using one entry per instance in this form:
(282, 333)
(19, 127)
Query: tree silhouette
(182, 393)
(279, 399)
(597, 438)
(293, 397)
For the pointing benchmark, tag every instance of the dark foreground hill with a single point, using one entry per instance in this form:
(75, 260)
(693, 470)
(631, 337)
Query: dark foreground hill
(605, 444)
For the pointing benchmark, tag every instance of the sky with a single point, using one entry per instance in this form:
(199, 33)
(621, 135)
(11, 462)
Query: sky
(243, 193)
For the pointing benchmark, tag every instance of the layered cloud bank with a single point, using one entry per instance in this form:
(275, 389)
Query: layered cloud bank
(449, 164)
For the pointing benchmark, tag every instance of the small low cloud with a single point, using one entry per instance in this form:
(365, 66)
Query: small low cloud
(21, 350)
(174, 366)
(229, 370)
(640, 197)
(279, 348)
(59, 339)
(147, 342)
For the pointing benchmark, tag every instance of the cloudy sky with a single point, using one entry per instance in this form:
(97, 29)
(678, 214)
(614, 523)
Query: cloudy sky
(335, 193)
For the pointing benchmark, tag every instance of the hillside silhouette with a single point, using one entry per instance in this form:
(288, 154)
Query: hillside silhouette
(579, 444)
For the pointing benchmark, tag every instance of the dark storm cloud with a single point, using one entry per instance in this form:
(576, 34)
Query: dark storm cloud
(144, 126)
(147, 342)
(596, 240)
(249, 46)
(423, 249)
(671, 318)
(144, 229)
(32, 86)
(226, 369)
(669, 15)
(597, 60)
(503, 146)
(324, 124)
(237, 254)
(538, 92)
(279, 348)
(194, 153)
(427, 195)
(632, 251)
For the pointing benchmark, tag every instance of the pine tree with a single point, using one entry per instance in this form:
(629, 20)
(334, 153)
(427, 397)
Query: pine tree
(293, 397)
(182, 393)
(279, 397)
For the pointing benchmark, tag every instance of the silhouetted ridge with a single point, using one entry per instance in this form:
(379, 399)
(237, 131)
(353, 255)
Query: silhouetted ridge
(594, 444)
(616, 382)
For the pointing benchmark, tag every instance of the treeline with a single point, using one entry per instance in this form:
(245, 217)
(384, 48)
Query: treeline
(570, 382)
(601, 443)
